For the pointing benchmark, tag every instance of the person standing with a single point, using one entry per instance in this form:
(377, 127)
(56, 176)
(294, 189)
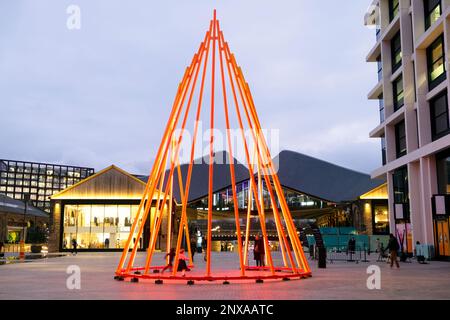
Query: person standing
(182, 265)
(74, 246)
(193, 247)
(205, 247)
(393, 249)
(259, 252)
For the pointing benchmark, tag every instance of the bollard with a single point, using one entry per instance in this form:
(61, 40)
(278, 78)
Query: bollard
(322, 263)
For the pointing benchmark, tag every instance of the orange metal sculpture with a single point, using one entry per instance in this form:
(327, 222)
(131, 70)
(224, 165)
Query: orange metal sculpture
(260, 165)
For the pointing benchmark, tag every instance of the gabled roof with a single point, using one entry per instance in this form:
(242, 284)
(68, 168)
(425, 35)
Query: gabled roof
(109, 183)
(200, 176)
(322, 179)
(11, 205)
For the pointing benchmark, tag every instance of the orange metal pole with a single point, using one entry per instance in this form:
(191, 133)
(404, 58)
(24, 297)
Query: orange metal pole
(243, 97)
(154, 179)
(231, 158)
(282, 235)
(165, 145)
(158, 199)
(293, 234)
(169, 215)
(251, 171)
(191, 162)
(152, 173)
(211, 154)
(198, 58)
(184, 215)
(261, 200)
(238, 112)
(277, 184)
(247, 226)
(193, 66)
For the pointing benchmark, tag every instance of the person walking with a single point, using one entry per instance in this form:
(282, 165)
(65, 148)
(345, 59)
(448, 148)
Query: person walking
(171, 256)
(393, 249)
(74, 246)
(182, 265)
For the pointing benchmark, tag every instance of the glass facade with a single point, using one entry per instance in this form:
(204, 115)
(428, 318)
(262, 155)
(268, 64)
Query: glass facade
(223, 200)
(38, 180)
(436, 63)
(98, 226)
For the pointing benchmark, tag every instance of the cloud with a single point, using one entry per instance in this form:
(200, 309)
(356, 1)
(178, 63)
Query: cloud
(102, 94)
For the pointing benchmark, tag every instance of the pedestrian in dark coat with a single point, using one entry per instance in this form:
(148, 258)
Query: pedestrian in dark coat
(74, 246)
(393, 247)
(259, 251)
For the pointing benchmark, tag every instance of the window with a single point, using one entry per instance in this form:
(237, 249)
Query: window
(380, 68)
(397, 87)
(415, 87)
(400, 184)
(439, 116)
(400, 139)
(393, 9)
(436, 63)
(383, 150)
(396, 52)
(433, 10)
(381, 105)
(443, 172)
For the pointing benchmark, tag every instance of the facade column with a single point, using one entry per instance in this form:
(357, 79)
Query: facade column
(390, 187)
(415, 201)
(429, 188)
(54, 241)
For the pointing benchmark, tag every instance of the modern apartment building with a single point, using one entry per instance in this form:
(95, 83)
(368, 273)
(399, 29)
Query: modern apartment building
(412, 53)
(36, 182)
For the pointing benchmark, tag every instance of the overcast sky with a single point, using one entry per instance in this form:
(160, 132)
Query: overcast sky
(101, 95)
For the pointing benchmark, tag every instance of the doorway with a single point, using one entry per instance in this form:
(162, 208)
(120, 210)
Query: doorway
(442, 238)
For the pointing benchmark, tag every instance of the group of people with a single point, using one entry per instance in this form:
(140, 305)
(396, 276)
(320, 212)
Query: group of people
(182, 258)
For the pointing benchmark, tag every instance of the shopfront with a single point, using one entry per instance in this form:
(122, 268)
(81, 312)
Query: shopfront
(441, 206)
(98, 213)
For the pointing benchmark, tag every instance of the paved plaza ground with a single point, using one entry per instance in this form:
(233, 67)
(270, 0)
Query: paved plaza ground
(46, 279)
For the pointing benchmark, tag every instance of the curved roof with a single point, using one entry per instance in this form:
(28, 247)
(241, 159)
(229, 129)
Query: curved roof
(322, 179)
(298, 172)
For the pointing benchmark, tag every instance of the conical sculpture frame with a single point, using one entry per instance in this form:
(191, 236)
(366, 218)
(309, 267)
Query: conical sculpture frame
(259, 163)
